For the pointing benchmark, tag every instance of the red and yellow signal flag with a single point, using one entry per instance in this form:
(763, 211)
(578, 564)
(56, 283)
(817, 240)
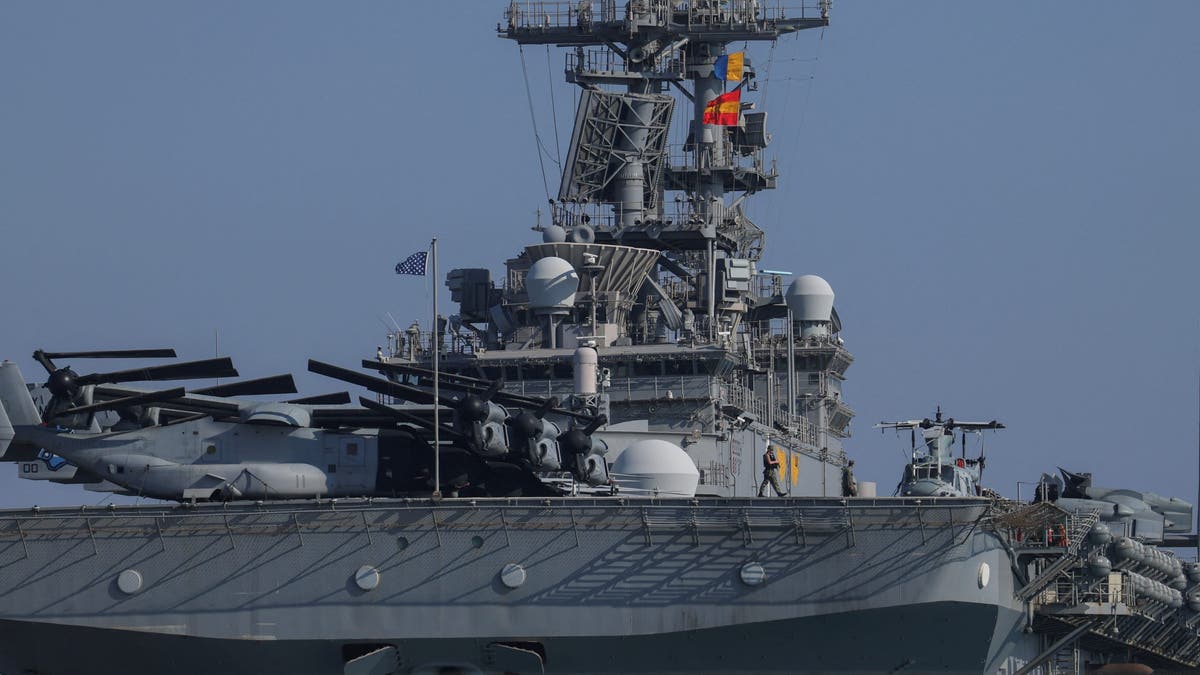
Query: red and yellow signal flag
(724, 109)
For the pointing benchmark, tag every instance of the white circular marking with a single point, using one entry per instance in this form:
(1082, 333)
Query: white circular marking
(367, 578)
(512, 575)
(753, 574)
(985, 573)
(129, 581)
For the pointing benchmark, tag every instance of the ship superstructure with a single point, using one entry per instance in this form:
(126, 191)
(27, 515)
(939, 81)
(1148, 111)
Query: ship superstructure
(649, 257)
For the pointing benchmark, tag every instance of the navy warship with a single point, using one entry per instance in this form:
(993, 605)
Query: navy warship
(564, 475)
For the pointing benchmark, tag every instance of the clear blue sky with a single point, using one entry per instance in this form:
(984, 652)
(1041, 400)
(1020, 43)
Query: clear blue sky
(1003, 196)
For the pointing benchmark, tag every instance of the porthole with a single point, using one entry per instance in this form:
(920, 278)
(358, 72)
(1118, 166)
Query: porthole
(477, 542)
(367, 578)
(129, 581)
(753, 574)
(985, 574)
(512, 575)
(401, 543)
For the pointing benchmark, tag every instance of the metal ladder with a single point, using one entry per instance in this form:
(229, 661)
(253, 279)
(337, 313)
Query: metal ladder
(1046, 576)
(1078, 527)
(1066, 660)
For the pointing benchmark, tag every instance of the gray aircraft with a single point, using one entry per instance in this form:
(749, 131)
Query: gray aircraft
(933, 470)
(1147, 516)
(205, 445)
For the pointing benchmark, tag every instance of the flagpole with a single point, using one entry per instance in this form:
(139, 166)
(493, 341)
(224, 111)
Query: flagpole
(437, 406)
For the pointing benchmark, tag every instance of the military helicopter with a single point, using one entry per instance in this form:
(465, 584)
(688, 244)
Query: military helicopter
(204, 444)
(933, 470)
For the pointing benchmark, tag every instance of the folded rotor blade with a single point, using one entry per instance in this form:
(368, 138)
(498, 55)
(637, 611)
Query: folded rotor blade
(357, 418)
(275, 384)
(378, 384)
(977, 425)
(114, 354)
(406, 417)
(171, 419)
(323, 399)
(189, 370)
(40, 357)
(485, 389)
(488, 390)
(184, 403)
(417, 370)
(126, 402)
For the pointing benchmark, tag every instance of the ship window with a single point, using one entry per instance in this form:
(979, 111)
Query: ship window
(814, 378)
(332, 468)
(210, 450)
(352, 449)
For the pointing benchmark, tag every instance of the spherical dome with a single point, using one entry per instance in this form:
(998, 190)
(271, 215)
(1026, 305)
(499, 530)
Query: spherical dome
(810, 298)
(1100, 534)
(553, 234)
(655, 466)
(1099, 565)
(551, 284)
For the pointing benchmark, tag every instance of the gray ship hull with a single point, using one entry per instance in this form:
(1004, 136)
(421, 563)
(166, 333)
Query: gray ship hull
(605, 585)
(869, 641)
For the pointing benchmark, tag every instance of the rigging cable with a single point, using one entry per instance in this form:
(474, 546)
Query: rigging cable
(774, 207)
(808, 92)
(553, 111)
(533, 118)
(767, 80)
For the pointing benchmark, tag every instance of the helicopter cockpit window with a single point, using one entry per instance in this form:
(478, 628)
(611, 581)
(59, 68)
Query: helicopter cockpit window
(948, 474)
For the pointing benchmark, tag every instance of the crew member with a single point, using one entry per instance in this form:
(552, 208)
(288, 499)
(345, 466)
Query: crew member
(849, 485)
(771, 473)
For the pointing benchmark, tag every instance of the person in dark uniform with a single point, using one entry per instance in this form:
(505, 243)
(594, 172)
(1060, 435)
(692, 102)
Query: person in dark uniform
(771, 473)
(849, 485)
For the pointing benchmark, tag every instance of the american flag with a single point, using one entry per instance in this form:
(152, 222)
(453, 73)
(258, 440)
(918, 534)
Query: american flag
(413, 264)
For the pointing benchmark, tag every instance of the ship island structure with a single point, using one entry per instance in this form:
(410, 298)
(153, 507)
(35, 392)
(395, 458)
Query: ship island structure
(640, 305)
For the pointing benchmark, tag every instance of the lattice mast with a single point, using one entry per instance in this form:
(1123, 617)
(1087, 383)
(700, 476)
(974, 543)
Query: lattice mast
(626, 58)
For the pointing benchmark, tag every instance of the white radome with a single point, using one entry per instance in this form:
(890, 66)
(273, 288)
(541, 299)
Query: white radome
(655, 467)
(551, 284)
(810, 298)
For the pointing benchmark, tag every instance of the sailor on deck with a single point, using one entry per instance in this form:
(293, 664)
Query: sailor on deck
(771, 473)
(849, 485)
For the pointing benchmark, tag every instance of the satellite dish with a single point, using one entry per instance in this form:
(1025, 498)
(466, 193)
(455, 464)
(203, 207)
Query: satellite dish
(551, 284)
(582, 234)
